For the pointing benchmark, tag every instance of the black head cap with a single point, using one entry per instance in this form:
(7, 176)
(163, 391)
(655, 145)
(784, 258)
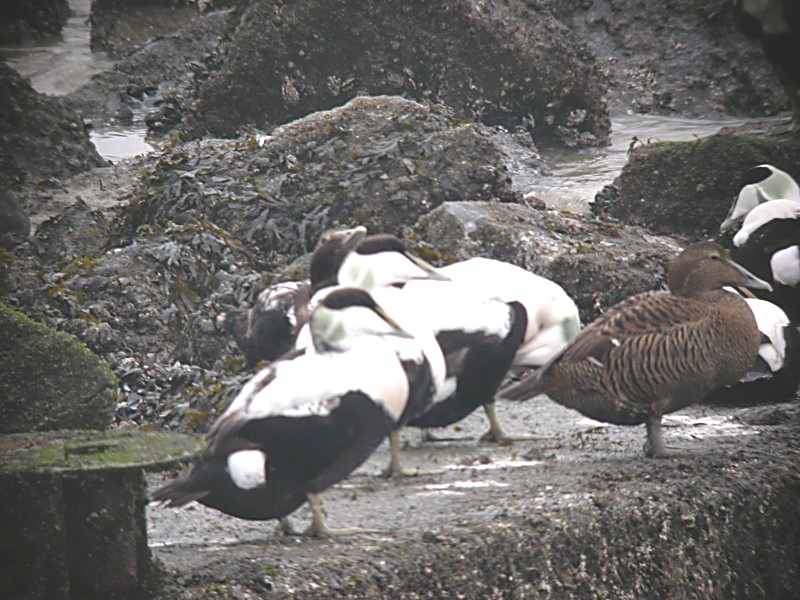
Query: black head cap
(756, 175)
(346, 297)
(382, 242)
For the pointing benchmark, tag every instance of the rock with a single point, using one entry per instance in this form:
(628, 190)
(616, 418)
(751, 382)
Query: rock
(50, 381)
(77, 234)
(40, 135)
(686, 58)
(24, 20)
(164, 69)
(503, 63)
(597, 263)
(687, 188)
(15, 225)
(378, 161)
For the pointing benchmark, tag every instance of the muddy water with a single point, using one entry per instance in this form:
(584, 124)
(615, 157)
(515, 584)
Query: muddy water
(61, 64)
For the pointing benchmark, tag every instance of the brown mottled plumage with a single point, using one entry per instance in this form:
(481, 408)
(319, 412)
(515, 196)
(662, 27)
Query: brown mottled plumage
(657, 352)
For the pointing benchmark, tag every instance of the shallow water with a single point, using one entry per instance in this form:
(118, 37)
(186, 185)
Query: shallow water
(61, 64)
(576, 176)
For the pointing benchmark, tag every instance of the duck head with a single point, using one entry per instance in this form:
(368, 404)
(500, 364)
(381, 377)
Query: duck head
(706, 266)
(376, 260)
(333, 247)
(347, 313)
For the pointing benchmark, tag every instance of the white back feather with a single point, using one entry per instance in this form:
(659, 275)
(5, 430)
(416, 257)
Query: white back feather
(785, 266)
(763, 214)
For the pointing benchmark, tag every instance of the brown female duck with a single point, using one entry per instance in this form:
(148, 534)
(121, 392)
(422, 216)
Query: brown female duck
(657, 352)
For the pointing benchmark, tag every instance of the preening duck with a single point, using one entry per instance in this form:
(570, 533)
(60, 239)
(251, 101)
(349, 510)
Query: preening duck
(269, 328)
(775, 375)
(657, 352)
(301, 425)
(760, 184)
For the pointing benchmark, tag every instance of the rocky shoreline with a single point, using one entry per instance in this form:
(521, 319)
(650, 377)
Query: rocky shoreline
(137, 259)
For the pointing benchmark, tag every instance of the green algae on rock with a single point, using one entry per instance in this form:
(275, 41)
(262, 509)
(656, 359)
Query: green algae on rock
(49, 379)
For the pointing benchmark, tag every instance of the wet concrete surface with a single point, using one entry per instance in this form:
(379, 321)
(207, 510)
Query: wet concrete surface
(569, 462)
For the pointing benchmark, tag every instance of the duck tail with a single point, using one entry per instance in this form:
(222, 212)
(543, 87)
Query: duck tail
(191, 485)
(528, 387)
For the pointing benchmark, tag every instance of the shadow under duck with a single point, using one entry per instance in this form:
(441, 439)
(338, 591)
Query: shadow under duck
(657, 352)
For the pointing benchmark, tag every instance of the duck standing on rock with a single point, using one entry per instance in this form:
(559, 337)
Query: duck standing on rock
(489, 316)
(657, 352)
(301, 425)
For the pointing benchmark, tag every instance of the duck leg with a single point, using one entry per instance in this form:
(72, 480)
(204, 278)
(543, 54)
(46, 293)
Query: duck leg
(496, 433)
(319, 528)
(395, 467)
(655, 447)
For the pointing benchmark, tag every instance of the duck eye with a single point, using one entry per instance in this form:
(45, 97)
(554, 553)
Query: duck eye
(715, 257)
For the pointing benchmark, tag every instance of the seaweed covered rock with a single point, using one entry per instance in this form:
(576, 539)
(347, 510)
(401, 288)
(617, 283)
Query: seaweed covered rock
(50, 381)
(686, 188)
(379, 161)
(40, 136)
(502, 62)
(597, 263)
(23, 20)
(674, 57)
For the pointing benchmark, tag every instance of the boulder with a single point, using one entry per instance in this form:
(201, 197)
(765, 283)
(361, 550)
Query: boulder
(687, 188)
(24, 20)
(50, 380)
(684, 58)
(503, 63)
(597, 263)
(40, 135)
(378, 161)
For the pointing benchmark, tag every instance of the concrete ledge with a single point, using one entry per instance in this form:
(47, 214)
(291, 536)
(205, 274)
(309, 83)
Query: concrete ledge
(587, 517)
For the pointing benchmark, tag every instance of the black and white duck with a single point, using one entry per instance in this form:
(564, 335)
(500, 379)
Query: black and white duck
(301, 425)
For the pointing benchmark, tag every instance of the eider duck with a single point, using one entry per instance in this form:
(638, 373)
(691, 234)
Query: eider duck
(767, 245)
(760, 184)
(480, 333)
(777, 24)
(657, 352)
(775, 375)
(268, 329)
(301, 425)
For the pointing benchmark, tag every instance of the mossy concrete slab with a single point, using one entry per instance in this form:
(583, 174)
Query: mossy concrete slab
(72, 512)
(49, 380)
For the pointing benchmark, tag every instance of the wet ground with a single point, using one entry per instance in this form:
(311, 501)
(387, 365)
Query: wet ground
(572, 465)
(477, 485)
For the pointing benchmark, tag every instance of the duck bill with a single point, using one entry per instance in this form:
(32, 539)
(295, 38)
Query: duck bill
(429, 270)
(729, 224)
(396, 329)
(350, 238)
(748, 279)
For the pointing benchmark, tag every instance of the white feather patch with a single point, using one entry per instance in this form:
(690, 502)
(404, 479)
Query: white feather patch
(247, 468)
(785, 266)
(313, 384)
(771, 320)
(763, 214)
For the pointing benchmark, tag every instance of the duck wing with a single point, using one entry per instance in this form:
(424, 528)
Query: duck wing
(652, 317)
